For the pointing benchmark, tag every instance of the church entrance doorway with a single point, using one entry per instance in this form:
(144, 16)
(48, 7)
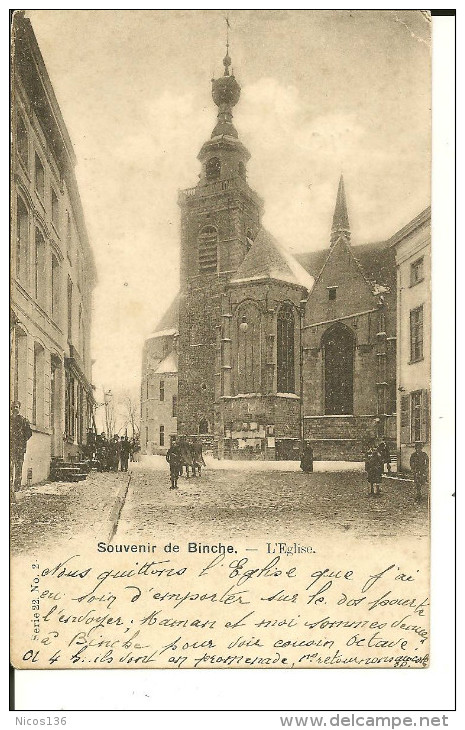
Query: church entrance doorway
(338, 345)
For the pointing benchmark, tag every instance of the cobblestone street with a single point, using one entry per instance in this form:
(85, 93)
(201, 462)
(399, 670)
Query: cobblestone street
(230, 500)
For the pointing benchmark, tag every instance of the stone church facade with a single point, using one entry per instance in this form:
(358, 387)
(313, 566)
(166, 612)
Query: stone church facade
(272, 348)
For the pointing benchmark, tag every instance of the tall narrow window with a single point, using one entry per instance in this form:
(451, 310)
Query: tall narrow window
(415, 418)
(213, 169)
(70, 407)
(249, 343)
(69, 238)
(55, 210)
(162, 435)
(81, 331)
(174, 412)
(285, 350)
(55, 289)
(208, 249)
(20, 381)
(39, 177)
(70, 309)
(38, 385)
(162, 390)
(338, 343)
(22, 142)
(416, 334)
(39, 278)
(416, 272)
(22, 241)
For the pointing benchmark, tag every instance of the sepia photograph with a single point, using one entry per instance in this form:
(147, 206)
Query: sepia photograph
(220, 338)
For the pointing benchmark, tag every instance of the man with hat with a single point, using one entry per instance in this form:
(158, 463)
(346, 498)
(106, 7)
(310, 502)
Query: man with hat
(20, 433)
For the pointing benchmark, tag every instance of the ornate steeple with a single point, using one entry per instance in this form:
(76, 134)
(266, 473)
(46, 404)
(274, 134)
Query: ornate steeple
(226, 93)
(341, 225)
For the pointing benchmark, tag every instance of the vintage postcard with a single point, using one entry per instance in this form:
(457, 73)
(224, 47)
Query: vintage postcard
(220, 339)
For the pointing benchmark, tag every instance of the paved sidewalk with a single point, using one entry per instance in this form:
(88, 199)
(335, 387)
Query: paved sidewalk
(64, 513)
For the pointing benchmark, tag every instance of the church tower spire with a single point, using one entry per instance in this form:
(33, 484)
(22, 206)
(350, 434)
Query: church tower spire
(341, 225)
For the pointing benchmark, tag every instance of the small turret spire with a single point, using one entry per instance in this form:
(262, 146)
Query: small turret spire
(341, 225)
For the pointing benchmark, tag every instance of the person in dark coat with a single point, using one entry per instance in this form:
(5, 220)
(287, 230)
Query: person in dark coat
(197, 457)
(419, 464)
(374, 467)
(114, 452)
(385, 454)
(306, 459)
(125, 451)
(20, 433)
(173, 457)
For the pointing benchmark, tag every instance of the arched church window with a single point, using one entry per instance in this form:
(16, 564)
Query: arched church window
(248, 363)
(285, 350)
(338, 343)
(213, 168)
(241, 168)
(208, 249)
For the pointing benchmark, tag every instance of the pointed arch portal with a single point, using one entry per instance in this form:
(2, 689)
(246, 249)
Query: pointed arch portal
(338, 345)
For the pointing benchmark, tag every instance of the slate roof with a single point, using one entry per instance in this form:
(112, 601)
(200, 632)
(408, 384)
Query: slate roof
(169, 364)
(376, 259)
(267, 259)
(169, 321)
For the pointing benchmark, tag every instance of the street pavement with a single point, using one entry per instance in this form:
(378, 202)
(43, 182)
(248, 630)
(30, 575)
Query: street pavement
(231, 500)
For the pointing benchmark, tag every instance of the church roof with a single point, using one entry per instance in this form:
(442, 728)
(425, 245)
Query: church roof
(169, 323)
(267, 259)
(375, 259)
(169, 364)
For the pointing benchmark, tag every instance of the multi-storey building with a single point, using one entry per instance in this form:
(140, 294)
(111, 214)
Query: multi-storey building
(412, 246)
(53, 271)
(275, 348)
(159, 385)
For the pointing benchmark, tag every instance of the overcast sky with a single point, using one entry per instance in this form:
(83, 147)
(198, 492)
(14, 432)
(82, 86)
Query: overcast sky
(322, 92)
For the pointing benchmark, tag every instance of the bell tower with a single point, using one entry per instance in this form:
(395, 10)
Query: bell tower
(220, 217)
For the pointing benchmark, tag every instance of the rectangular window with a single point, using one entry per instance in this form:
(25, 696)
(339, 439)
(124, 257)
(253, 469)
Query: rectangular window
(22, 141)
(55, 210)
(69, 238)
(39, 177)
(146, 435)
(162, 435)
(70, 407)
(55, 288)
(175, 406)
(39, 278)
(162, 390)
(332, 293)
(416, 271)
(416, 334)
(70, 309)
(38, 385)
(22, 241)
(415, 418)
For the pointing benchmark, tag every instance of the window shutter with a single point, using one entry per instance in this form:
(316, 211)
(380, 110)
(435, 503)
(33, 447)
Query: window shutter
(405, 419)
(425, 416)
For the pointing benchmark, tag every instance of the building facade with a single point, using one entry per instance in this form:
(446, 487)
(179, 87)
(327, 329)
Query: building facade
(412, 246)
(159, 385)
(273, 348)
(52, 268)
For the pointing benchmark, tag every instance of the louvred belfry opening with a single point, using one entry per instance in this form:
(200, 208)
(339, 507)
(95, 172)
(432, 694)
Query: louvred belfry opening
(208, 250)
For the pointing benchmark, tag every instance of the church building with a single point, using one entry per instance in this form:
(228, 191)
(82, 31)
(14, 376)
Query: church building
(272, 348)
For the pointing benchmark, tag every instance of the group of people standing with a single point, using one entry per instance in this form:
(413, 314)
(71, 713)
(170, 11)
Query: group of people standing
(112, 454)
(184, 453)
